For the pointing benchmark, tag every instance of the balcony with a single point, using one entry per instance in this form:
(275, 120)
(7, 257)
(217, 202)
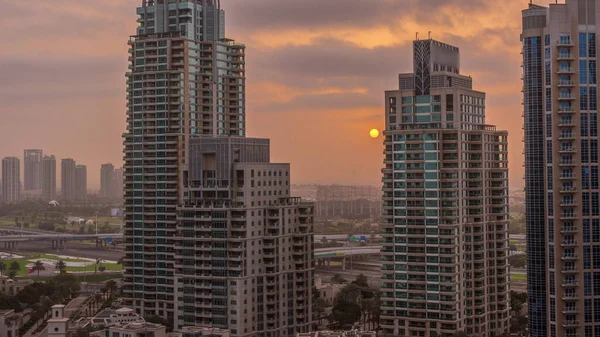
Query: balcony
(566, 97)
(567, 149)
(569, 243)
(569, 230)
(569, 270)
(566, 136)
(567, 216)
(568, 189)
(571, 324)
(569, 257)
(570, 310)
(566, 110)
(568, 284)
(566, 83)
(568, 177)
(566, 122)
(566, 70)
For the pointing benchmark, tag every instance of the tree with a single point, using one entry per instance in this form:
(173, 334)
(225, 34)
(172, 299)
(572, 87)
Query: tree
(318, 309)
(38, 266)
(516, 302)
(12, 274)
(2, 267)
(345, 312)
(61, 266)
(518, 261)
(338, 279)
(361, 281)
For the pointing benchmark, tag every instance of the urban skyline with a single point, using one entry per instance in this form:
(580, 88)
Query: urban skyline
(351, 80)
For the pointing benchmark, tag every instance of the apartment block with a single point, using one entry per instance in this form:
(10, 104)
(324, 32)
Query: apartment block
(560, 100)
(108, 181)
(81, 183)
(244, 247)
(11, 180)
(445, 204)
(32, 162)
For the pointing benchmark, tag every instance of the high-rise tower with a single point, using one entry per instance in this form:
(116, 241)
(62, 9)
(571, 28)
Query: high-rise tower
(185, 79)
(67, 179)
(445, 205)
(49, 178)
(32, 162)
(108, 181)
(11, 180)
(560, 99)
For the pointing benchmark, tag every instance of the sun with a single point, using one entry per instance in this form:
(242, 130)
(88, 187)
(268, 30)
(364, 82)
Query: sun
(374, 133)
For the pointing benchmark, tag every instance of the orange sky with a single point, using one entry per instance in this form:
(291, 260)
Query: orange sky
(316, 75)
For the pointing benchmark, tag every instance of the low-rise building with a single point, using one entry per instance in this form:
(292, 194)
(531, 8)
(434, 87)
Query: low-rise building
(349, 333)
(110, 317)
(327, 291)
(138, 329)
(12, 287)
(10, 323)
(195, 331)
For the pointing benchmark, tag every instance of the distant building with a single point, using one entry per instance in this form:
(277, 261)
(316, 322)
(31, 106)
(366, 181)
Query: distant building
(67, 173)
(108, 181)
(327, 291)
(32, 163)
(10, 323)
(81, 183)
(49, 178)
(11, 180)
(119, 183)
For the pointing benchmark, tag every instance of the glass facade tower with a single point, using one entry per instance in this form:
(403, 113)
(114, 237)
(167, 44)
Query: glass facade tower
(445, 205)
(561, 168)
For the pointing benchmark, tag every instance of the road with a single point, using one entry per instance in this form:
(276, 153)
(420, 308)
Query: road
(74, 248)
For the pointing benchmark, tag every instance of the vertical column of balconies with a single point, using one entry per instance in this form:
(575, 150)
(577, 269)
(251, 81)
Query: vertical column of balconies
(496, 171)
(567, 217)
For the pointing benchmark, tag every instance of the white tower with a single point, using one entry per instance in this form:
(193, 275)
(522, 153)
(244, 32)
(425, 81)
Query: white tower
(58, 324)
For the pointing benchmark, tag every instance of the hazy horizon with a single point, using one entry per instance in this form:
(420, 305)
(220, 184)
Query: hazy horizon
(315, 87)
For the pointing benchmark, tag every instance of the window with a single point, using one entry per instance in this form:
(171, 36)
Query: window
(582, 45)
(547, 40)
(548, 70)
(592, 73)
(585, 151)
(583, 74)
(591, 44)
(449, 102)
(548, 125)
(583, 98)
(587, 258)
(548, 99)
(586, 230)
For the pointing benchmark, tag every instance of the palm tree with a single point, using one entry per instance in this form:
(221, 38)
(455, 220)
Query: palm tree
(111, 286)
(12, 274)
(38, 266)
(14, 266)
(2, 267)
(61, 266)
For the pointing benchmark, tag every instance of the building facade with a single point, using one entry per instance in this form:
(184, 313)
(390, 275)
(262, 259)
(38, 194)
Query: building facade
(11, 180)
(445, 205)
(67, 175)
(32, 169)
(49, 178)
(244, 247)
(185, 79)
(561, 168)
(108, 181)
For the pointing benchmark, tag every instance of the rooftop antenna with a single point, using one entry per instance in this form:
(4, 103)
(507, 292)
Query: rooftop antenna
(417, 36)
(430, 35)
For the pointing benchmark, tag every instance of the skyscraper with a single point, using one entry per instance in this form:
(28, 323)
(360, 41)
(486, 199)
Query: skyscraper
(49, 178)
(11, 180)
(67, 183)
(212, 235)
(186, 79)
(445, 205)
(81, 183)
(560, 99)
(243, 252)
(32, 162)
(108, 181)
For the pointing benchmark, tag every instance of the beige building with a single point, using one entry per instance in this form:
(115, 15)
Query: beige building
(49, 178)
(445, 205)
(560, 100)
(194, 331)
(244, 246)
(12, 287)
(10, 323)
